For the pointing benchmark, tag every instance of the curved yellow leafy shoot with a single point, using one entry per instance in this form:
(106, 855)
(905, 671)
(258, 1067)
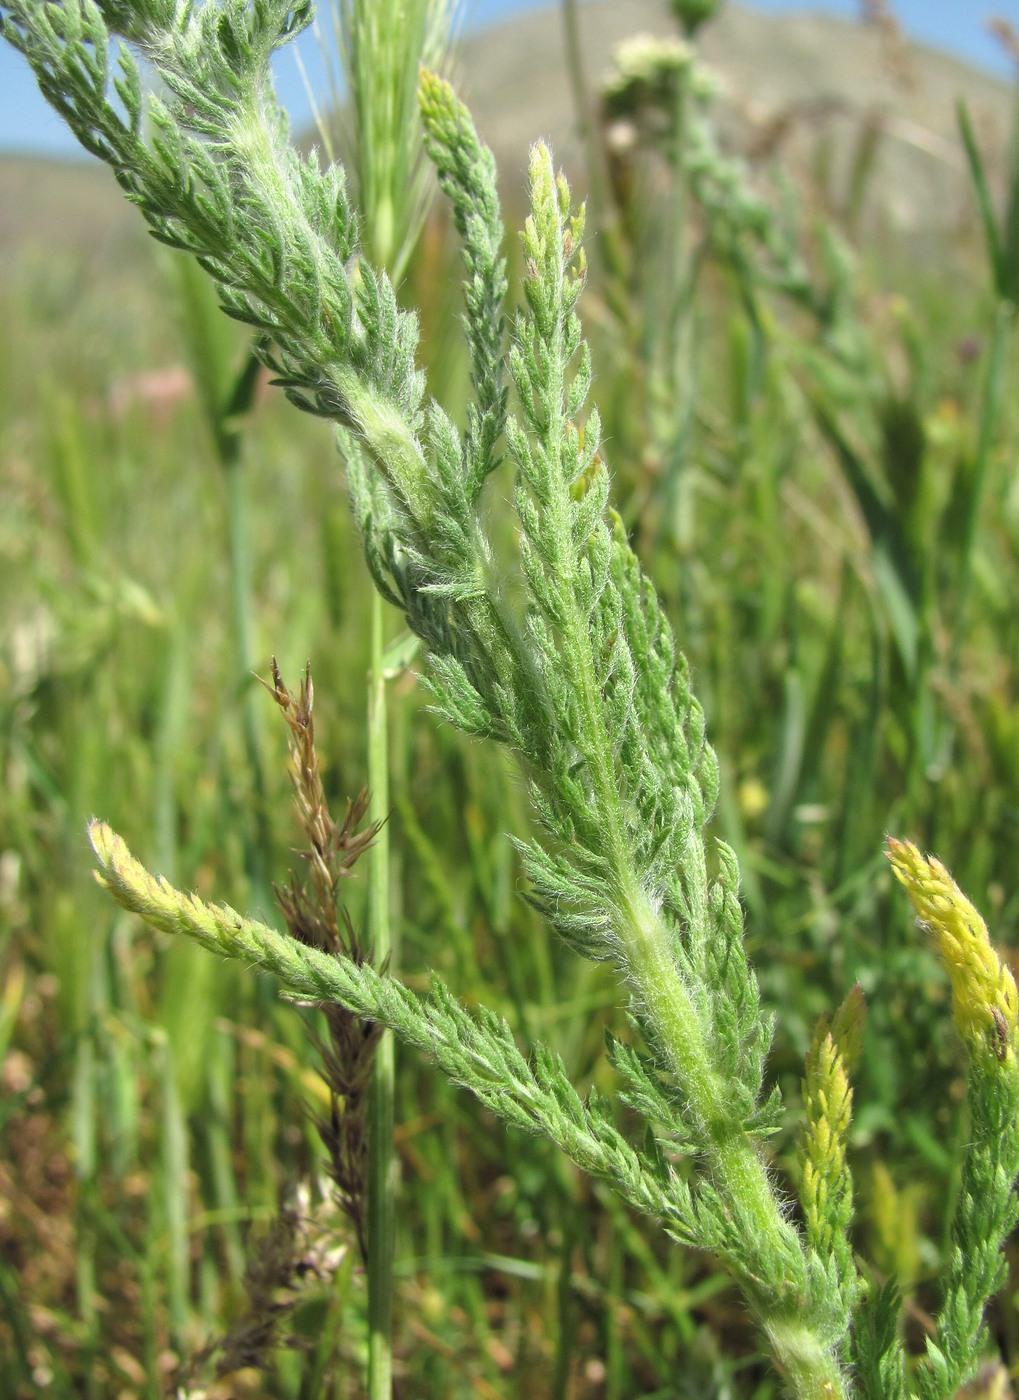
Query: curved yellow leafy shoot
(984, 1000)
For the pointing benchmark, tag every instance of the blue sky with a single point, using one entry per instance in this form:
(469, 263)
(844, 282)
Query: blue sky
(27, 124)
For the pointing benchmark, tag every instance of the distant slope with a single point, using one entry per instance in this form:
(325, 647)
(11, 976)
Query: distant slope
(833, 74)
(828, 75)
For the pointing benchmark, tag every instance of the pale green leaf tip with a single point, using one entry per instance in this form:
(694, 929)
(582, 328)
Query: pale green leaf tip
(103, 840)
(433, 91)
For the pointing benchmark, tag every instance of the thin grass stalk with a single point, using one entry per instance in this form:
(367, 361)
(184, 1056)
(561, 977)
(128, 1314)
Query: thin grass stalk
(991, 412)
(83, 1137)
(16, 1366)
(982, 193)
(381, 48)
(221, 1166)
(1002, 248)
(565, 1316)
(239, 547)
(226, 395)
(381, 1158)
(165, 803)
(175, 1175)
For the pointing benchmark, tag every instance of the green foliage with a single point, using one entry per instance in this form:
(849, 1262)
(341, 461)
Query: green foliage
(477, 1052)
(563, 653)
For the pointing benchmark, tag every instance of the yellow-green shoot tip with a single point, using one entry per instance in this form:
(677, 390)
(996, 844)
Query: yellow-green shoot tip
(984, 1001)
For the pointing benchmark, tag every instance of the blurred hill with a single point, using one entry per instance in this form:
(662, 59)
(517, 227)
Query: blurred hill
(800, 90)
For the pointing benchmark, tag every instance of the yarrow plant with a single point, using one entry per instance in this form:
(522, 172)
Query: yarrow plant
(568, 660)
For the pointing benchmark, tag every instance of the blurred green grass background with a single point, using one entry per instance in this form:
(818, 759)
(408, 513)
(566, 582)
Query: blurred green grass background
(799, 470)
